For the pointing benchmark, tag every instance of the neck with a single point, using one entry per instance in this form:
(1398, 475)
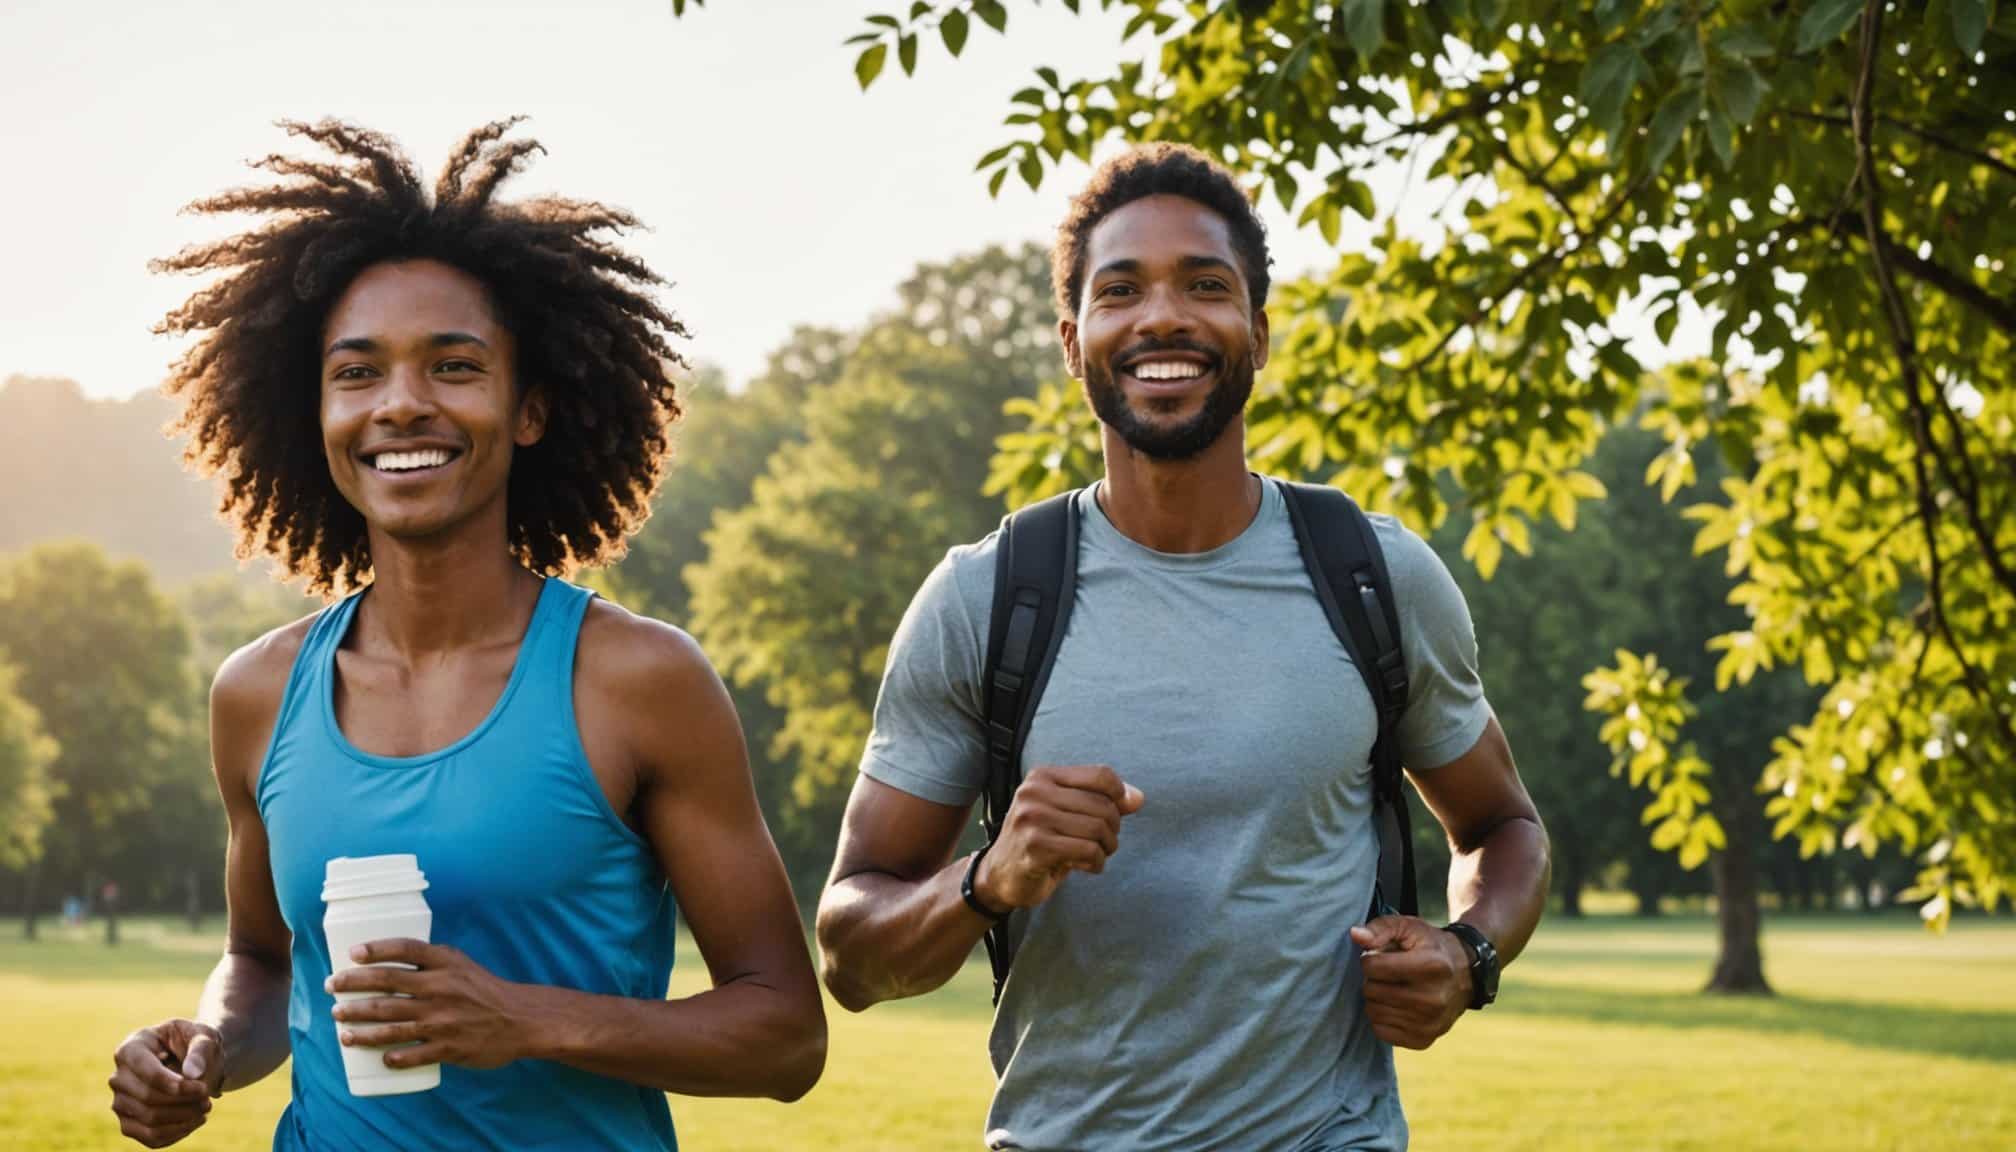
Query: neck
(1181, 506)
(459, 590)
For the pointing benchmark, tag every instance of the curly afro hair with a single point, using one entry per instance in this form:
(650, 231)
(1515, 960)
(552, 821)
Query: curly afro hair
(579, 308)
(1161, 169)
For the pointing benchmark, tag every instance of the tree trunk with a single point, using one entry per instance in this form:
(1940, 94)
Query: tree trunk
(1739, 963)
(1571, 885)
(29, 894)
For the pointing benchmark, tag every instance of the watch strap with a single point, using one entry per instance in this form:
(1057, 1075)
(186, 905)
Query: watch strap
(1483, 962)
(972, 900)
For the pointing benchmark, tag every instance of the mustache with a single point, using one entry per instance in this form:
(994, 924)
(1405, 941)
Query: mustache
(1146, 347)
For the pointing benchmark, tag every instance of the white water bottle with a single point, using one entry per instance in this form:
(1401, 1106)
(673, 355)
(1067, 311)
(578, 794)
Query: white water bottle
(370, 898)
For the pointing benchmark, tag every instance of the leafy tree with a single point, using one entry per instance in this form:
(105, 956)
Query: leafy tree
(104, 658)
(1827, 180)
(25, 753)
(803, 585)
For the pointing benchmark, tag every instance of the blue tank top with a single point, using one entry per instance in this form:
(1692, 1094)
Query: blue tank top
(529, 871)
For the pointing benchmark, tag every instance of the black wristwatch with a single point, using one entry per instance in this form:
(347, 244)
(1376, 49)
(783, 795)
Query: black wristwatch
(1483, 963)
(973, 901)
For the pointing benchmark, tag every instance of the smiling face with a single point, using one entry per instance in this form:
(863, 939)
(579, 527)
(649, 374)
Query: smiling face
(420, 404)
(1166, 338)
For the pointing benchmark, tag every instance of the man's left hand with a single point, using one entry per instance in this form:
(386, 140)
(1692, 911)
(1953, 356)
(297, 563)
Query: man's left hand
(1417, 979)
(456, 1011)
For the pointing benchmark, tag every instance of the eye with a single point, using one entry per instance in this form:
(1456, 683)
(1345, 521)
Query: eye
(1212, 284)
(1120, 289)
(354, 372)
(458, 366)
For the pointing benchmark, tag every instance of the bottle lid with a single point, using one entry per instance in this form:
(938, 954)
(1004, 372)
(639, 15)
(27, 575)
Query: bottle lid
(354, 877)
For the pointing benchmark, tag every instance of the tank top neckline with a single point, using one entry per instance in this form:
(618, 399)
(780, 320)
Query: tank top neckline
(521, 666)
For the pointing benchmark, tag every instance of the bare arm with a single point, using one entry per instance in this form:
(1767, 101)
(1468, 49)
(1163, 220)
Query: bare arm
(245, 998)
(760, 1030)
(1499, 866)
(892, 922)
(1417, 976)
(164, 1076)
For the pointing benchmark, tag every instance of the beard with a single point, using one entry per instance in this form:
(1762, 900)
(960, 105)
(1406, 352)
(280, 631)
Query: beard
(1184, 439)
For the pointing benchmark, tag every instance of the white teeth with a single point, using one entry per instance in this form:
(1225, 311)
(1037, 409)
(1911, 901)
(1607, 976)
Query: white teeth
(1167, 370)
(408, 461)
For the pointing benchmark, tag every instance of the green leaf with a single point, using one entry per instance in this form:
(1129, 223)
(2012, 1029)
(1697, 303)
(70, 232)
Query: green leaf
(1285, 189)
(906, 53)
(1607, 81)
(1664, 323)
(1745, 42)
(1031, 96)
(1739, 88)
(1672, 118)
(1032, 169)
(1364, 25)
(991, 13)
(994, 182)
(886, 22)
(1970, 22)
(920, 8)
(952, 30)
(1611, 13)
(1049, 76)
(1721, 137)
(1358, 197)
(1825, 21)
(868, 65)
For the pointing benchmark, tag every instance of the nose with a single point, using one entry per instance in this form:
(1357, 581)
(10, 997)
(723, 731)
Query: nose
(406, 399)
(1164, 314)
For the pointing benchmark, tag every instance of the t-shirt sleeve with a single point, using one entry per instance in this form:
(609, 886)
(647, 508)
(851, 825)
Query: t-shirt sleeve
(928, 738)
(1446, 709)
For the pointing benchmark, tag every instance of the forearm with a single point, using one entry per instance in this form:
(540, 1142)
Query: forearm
(741, 1038)
(1499, 886)
(882, 937)
(245, 999)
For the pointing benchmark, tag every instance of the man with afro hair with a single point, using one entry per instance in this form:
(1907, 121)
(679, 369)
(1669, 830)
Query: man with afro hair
(431, 407)
(1185, 875)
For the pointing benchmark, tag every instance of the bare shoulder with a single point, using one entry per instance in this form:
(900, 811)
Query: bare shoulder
(256, 674)
(245, 699)
(627, 655)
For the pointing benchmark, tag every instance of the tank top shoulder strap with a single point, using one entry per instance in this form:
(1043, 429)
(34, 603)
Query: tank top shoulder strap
(304, 681)
(555, 638)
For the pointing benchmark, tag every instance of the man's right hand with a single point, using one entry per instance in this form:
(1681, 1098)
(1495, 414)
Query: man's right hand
(163, 1078)
(1062, 819)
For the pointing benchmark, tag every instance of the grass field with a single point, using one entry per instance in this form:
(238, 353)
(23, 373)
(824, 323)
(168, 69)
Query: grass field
(1882, 1037)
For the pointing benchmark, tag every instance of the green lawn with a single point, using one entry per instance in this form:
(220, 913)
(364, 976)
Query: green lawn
(1882, 1037)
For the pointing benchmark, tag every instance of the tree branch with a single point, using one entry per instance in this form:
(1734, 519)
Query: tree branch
(1905, 340)
(1933, 138)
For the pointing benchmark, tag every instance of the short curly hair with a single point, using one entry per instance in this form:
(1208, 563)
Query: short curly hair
(1160, 169)
(588, 333)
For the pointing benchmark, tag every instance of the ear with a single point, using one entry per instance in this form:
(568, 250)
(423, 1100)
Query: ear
(1074, 357)
(531, 419)
(1260, 339)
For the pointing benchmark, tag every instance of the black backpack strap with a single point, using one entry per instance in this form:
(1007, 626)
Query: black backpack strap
(1348, 570)
(1035, 568)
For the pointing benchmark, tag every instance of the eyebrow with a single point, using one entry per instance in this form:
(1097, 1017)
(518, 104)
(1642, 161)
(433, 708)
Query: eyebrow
(438, 340)
(1130, 267)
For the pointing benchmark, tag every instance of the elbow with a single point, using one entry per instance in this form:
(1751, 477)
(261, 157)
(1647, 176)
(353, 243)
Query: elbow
(802, 1058)
(839, 970)
(848, 990)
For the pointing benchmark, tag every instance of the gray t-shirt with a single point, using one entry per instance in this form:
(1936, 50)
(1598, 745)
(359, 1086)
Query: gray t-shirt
(1202, 993)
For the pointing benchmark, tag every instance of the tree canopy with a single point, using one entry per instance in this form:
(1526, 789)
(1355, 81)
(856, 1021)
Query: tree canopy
(1828, 182)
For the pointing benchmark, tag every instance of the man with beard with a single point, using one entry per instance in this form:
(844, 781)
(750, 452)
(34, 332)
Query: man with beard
(1207, 988)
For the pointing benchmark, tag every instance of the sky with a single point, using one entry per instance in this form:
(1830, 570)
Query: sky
(777, 193)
